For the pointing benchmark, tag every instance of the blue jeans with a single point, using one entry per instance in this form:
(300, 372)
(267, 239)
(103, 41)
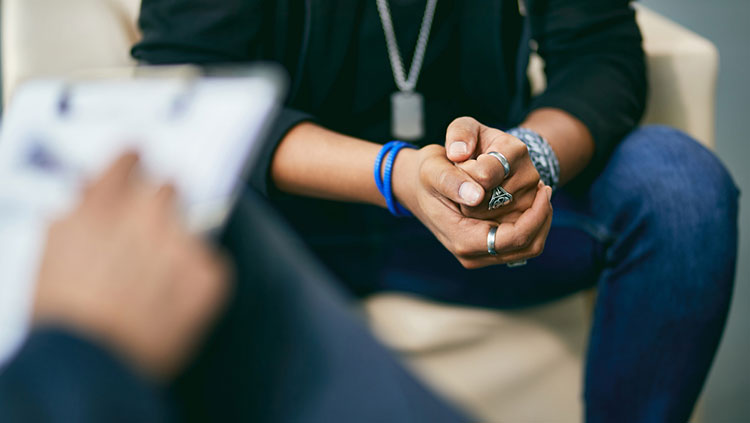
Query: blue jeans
(655, 233)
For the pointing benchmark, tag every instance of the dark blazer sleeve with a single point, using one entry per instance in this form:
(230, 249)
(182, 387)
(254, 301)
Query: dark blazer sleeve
(595, 66)
(211, 32)
(58, 377)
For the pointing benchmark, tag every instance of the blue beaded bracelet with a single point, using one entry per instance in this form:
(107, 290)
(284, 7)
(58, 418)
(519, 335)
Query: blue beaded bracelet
(384, 182)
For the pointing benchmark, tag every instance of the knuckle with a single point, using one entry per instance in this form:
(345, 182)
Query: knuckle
(525, 202)
(426, 171)
(532, 182)
(471, 265)
(483, 176)
(462, 249)
(534, 176)
(511, 139)
(433, 149)
(537, 249)
(521, 240)
(521, 151)
(516, 146)
(512, 147)
(424, 176)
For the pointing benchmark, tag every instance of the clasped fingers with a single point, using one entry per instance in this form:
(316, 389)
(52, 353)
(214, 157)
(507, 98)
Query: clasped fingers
(506, 198)
(520, 240)
(497, 161)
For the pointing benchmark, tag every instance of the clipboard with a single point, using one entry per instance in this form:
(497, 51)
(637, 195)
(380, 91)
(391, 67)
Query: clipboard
(200, 129)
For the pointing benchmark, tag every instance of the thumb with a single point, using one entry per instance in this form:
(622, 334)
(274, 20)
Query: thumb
(461, 139)
(454, 184)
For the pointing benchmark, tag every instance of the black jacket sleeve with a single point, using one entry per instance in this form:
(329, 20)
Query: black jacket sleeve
(200, 32)
(595, 65)
(58, 377)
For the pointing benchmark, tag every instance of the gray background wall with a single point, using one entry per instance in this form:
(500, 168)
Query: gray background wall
(727, 24)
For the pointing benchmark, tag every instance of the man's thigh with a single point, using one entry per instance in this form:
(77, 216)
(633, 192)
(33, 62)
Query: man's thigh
(369, 250)
(572, 261)
(290, 347)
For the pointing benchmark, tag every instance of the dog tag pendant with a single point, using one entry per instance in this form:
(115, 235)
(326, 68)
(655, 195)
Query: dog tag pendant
(407, 116)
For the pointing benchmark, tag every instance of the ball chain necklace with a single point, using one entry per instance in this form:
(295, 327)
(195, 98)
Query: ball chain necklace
(407, 105)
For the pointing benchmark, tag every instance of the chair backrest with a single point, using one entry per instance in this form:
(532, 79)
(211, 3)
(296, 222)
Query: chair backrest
(682, 68)
(56, 37)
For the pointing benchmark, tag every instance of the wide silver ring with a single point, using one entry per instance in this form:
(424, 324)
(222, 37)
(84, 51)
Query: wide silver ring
(517, 263)
(500, 197)
(491, 241)
(503, 160)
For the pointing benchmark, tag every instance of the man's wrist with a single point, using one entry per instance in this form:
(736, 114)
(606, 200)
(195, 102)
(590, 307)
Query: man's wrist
(541, 154)
(403, 176)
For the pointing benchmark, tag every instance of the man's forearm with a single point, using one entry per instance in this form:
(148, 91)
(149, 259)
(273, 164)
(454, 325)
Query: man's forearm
(317, 162)
(568, 136)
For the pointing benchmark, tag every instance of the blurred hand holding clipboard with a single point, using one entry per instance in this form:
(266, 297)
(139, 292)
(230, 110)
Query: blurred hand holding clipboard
(201, 132)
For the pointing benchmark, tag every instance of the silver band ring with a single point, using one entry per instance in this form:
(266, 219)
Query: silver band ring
(503, 160)
(491, 241)
(500, 197)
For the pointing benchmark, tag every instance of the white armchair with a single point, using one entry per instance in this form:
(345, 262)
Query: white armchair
(503, 366)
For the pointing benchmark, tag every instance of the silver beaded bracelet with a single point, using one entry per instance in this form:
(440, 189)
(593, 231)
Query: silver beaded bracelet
(541, 155)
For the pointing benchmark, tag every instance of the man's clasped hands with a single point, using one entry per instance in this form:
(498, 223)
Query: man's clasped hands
(449, 188)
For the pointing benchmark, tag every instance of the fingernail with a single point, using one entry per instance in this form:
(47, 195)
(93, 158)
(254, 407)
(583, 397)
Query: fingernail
(458, 148)
(469, 193)
(549, 194)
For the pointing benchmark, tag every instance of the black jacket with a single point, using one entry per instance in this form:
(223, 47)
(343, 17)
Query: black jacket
(475, 63)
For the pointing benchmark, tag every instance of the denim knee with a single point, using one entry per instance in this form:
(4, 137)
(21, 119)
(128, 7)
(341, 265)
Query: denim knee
(663, 193)
(669, 176)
